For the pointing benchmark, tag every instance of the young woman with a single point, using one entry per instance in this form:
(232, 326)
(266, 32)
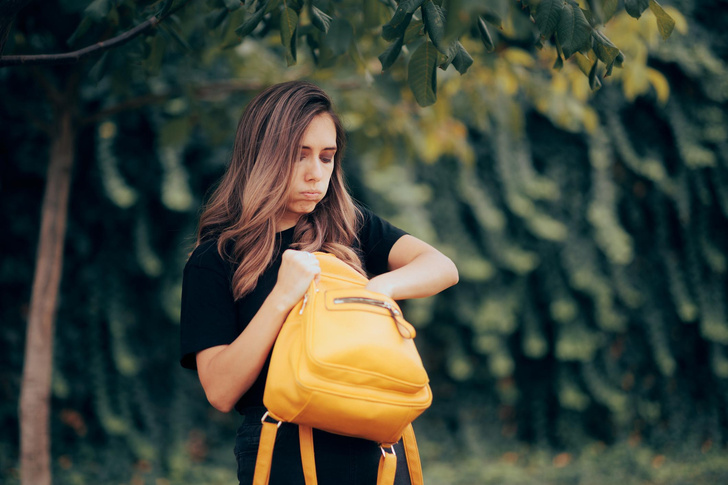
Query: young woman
(283, 196)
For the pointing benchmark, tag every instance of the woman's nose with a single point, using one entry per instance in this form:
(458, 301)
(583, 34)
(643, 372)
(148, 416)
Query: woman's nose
(313, 169)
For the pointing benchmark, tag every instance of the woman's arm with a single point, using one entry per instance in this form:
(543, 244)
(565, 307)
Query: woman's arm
(227, 371)
(417, 270)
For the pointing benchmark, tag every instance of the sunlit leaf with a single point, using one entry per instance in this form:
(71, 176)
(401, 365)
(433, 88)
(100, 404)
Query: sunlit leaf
(665, 23)
(660, 84)
(609, 8)
(422, 75)
(603, 48)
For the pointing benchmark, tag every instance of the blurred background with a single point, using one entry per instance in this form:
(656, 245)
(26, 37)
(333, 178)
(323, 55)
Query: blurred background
(587, 340)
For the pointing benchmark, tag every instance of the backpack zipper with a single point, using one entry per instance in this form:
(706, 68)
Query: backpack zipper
(369, 301)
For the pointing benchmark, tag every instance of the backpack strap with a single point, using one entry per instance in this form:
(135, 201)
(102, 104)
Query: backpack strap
(412, 453)
(387, 466)
(305, 438)
(387, 463)
(265, 451)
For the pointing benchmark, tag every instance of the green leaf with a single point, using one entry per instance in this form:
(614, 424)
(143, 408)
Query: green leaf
(289, 37)
(594, 82)
(609, 8)
(493, 19)
(485, 35)
(603, 47)
(422, 74)
(99, 68)
(252, 22)
(573, 30)
(665, 23)
(594, 12)
(232, 5)
(434, 19)
(320, 19)
(462, 60)
(215, 18)
(636, 7)
(175, 36)
(401, 19)
(80, 30)
(340, 36)
(414, 30)
(548, 15)
(388, 57)
(153, 62)
(98, 9)
(165, 8)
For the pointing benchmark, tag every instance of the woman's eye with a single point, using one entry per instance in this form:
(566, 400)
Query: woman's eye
(327, 160)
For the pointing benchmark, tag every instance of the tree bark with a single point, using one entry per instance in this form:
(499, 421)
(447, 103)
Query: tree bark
(34, 406)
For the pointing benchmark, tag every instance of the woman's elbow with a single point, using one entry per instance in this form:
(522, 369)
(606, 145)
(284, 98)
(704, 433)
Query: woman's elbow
(220, 403)
(451, 275)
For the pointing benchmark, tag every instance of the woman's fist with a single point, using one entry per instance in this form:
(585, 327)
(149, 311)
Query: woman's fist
(298, 269)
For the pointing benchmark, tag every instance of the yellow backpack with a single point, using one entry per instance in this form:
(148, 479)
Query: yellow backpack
(345, 362)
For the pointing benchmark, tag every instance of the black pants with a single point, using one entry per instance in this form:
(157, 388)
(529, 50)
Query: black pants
(339, 459)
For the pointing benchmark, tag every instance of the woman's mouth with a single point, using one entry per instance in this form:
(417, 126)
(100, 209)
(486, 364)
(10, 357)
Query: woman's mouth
(311, 195)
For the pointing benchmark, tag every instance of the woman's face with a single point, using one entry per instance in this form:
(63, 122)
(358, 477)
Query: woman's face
(311, 174)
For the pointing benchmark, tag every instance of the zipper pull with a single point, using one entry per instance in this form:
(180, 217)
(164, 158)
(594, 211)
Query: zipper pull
(305, 299)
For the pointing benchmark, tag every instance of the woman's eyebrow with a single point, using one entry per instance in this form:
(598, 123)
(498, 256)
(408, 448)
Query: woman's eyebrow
(305, 147)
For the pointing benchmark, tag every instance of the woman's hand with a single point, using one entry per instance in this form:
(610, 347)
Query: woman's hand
(379, 285)
(227, 371)
(297, 270)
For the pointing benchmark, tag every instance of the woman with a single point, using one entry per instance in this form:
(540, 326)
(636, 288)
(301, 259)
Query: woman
(283, 196)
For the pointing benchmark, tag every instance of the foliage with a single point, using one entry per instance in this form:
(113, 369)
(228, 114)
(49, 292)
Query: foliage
(585, 226)
(433, 30)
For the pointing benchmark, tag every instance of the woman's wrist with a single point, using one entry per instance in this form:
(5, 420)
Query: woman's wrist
(379, 284)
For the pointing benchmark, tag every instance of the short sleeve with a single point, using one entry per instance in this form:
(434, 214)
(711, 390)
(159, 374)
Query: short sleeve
(376, 239)
(208, 316)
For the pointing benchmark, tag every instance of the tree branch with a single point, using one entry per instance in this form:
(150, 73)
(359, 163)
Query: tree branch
(75, 56)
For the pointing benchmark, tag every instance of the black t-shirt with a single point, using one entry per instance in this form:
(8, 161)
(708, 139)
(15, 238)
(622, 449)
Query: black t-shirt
(211, 317)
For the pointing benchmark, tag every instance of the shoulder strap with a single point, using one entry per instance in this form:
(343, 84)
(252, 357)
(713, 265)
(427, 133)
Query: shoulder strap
(387, 464)
(305, 438)
(265, 452)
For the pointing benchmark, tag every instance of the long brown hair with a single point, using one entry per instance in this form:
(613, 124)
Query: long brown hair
(252, 194)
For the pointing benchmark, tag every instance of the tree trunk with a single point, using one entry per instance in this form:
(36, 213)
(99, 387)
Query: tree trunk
(34, 406)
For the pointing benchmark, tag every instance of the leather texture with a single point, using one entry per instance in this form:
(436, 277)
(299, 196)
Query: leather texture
(345, 362)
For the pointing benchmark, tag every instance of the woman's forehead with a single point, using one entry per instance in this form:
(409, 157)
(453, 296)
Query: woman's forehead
(320, 133)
